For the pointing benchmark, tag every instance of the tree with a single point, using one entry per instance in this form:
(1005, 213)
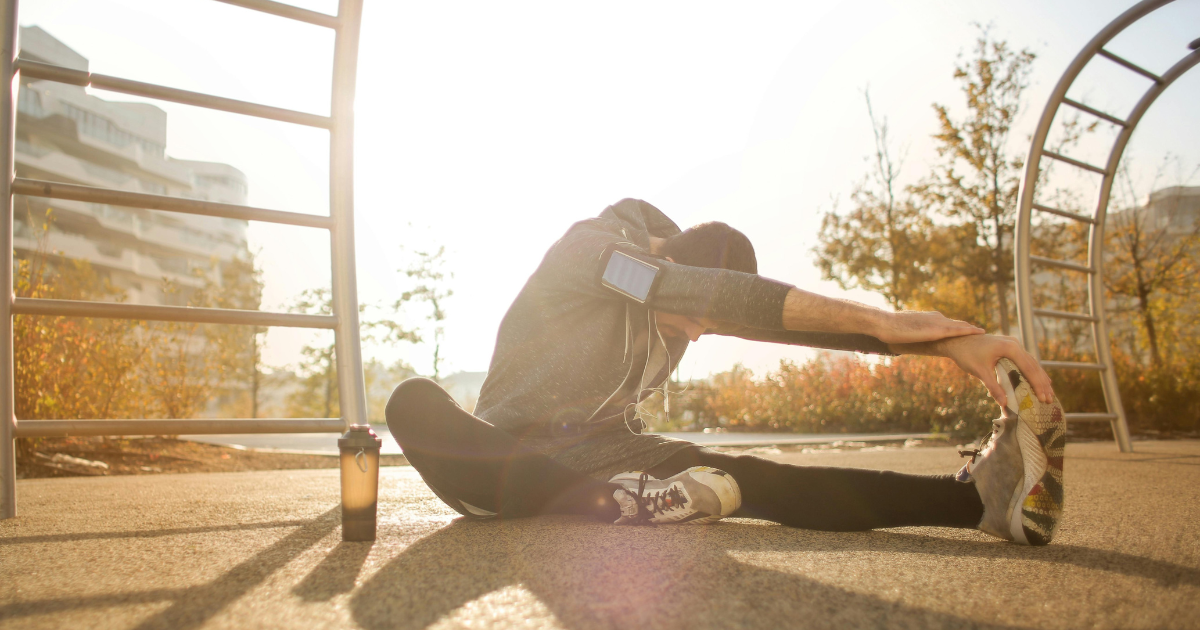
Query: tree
(318, 394)
(236, 284)
(882, 244)
(946, 243)
(69, 367)
(430, 289)
(189, 365)
(1153, 264)
(978, 182)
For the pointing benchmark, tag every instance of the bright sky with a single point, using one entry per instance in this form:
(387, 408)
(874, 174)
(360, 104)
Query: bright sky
(490, 127)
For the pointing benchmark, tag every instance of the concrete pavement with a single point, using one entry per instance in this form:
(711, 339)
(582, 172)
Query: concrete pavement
(262, 549)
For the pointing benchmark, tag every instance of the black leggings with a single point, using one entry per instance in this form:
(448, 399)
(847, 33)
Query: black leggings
(465, 459)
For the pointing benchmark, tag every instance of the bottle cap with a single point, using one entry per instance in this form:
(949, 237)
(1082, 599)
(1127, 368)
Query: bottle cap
(360, 436)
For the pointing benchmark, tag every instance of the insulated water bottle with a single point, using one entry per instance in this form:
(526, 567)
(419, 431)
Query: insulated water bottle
(360, 482)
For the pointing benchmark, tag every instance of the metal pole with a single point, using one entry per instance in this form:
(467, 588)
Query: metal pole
(8, 119)
(62, 428)
(51, 72)
(352, 392)
(59, 190)
(121, 310)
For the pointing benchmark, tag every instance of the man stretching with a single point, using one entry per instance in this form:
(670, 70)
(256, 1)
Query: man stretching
(557, 428)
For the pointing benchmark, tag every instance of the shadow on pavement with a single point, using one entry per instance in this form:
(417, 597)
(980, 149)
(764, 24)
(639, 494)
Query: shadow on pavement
(589, 576)
(195, 605)
(592, 576)
(148, 533)
(336, 574)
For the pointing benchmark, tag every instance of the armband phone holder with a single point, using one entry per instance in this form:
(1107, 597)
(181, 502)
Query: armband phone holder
(632, 277)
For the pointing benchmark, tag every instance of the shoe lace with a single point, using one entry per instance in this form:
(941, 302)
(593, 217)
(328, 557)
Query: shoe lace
(660, 501)
(978, 450)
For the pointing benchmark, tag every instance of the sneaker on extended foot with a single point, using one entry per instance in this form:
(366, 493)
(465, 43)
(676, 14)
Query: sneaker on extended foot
(1018, 468)
(697, 495)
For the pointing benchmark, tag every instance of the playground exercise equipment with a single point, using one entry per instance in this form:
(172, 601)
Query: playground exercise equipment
(1026, 311)
(340, 223)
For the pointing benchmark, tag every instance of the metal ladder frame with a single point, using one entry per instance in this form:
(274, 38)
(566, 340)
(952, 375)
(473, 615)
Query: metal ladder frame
(1026, 312)
(340, 223)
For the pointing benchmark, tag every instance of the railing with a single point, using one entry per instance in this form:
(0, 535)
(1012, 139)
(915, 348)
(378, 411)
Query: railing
(1094, 267)
(340, 223)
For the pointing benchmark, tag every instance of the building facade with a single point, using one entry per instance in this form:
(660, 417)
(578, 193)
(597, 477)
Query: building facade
(1174, 209)
(66, 135)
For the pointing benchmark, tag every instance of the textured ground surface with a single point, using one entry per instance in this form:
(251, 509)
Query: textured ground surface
(262, 549)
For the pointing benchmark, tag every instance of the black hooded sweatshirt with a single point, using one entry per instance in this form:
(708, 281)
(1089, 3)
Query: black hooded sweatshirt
(574, 358)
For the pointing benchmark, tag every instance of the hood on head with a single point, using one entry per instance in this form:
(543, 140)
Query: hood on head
(640, 221)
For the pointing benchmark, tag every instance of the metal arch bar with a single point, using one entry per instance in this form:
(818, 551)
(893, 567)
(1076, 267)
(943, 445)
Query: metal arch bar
(348, 350)
(1091, 417)
(1073, 162)
(1021, 249)
(75, 192)
(8, 136)
(287, 11)
(48, 72)
(1095, 112)
(1083, 317)
(1062, 264)
(206, 426)
(116, 310)
(1064, 213)
(1096, 297)
(1131, 66)
(1074, 365)
(1025, 318)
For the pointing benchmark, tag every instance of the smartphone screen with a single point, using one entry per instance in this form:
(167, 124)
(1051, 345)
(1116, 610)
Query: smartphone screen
(629, 276)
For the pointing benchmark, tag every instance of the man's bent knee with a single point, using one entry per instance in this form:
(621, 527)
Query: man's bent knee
(414, 397)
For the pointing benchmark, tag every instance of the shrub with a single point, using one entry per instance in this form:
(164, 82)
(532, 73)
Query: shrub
(840, 393)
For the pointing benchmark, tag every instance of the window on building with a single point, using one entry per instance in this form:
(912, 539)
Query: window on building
(153, 187)
(30, 102)
(101, 128)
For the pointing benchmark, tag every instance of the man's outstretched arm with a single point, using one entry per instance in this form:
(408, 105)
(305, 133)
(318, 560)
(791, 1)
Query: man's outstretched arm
(808, 311)
(924, 333)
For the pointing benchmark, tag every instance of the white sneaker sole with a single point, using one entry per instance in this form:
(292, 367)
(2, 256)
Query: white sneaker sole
(1035, 510)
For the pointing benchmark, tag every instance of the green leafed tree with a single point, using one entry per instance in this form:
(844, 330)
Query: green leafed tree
(946, 243)
(317, 395)
(883, 243)
(977, 183)
(1151, 273)
(429, 278)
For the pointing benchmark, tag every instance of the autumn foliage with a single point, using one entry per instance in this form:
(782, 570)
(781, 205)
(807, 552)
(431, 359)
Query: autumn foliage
(85, 368)
(839, 393)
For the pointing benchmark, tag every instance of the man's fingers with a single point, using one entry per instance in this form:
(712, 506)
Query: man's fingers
(960, 331)
(993, 386)
(1034, 373)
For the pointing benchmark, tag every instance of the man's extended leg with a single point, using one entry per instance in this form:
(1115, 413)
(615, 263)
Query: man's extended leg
(466, 460)
(836, 499)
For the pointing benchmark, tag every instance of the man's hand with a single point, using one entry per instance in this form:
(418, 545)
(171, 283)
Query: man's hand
(977, 355)
(920, 326)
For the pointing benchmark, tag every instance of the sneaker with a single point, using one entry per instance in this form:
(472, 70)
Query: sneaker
(1018, 468)
(697, 495)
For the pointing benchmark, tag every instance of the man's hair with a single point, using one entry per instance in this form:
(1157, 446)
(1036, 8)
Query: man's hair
(713, 244)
